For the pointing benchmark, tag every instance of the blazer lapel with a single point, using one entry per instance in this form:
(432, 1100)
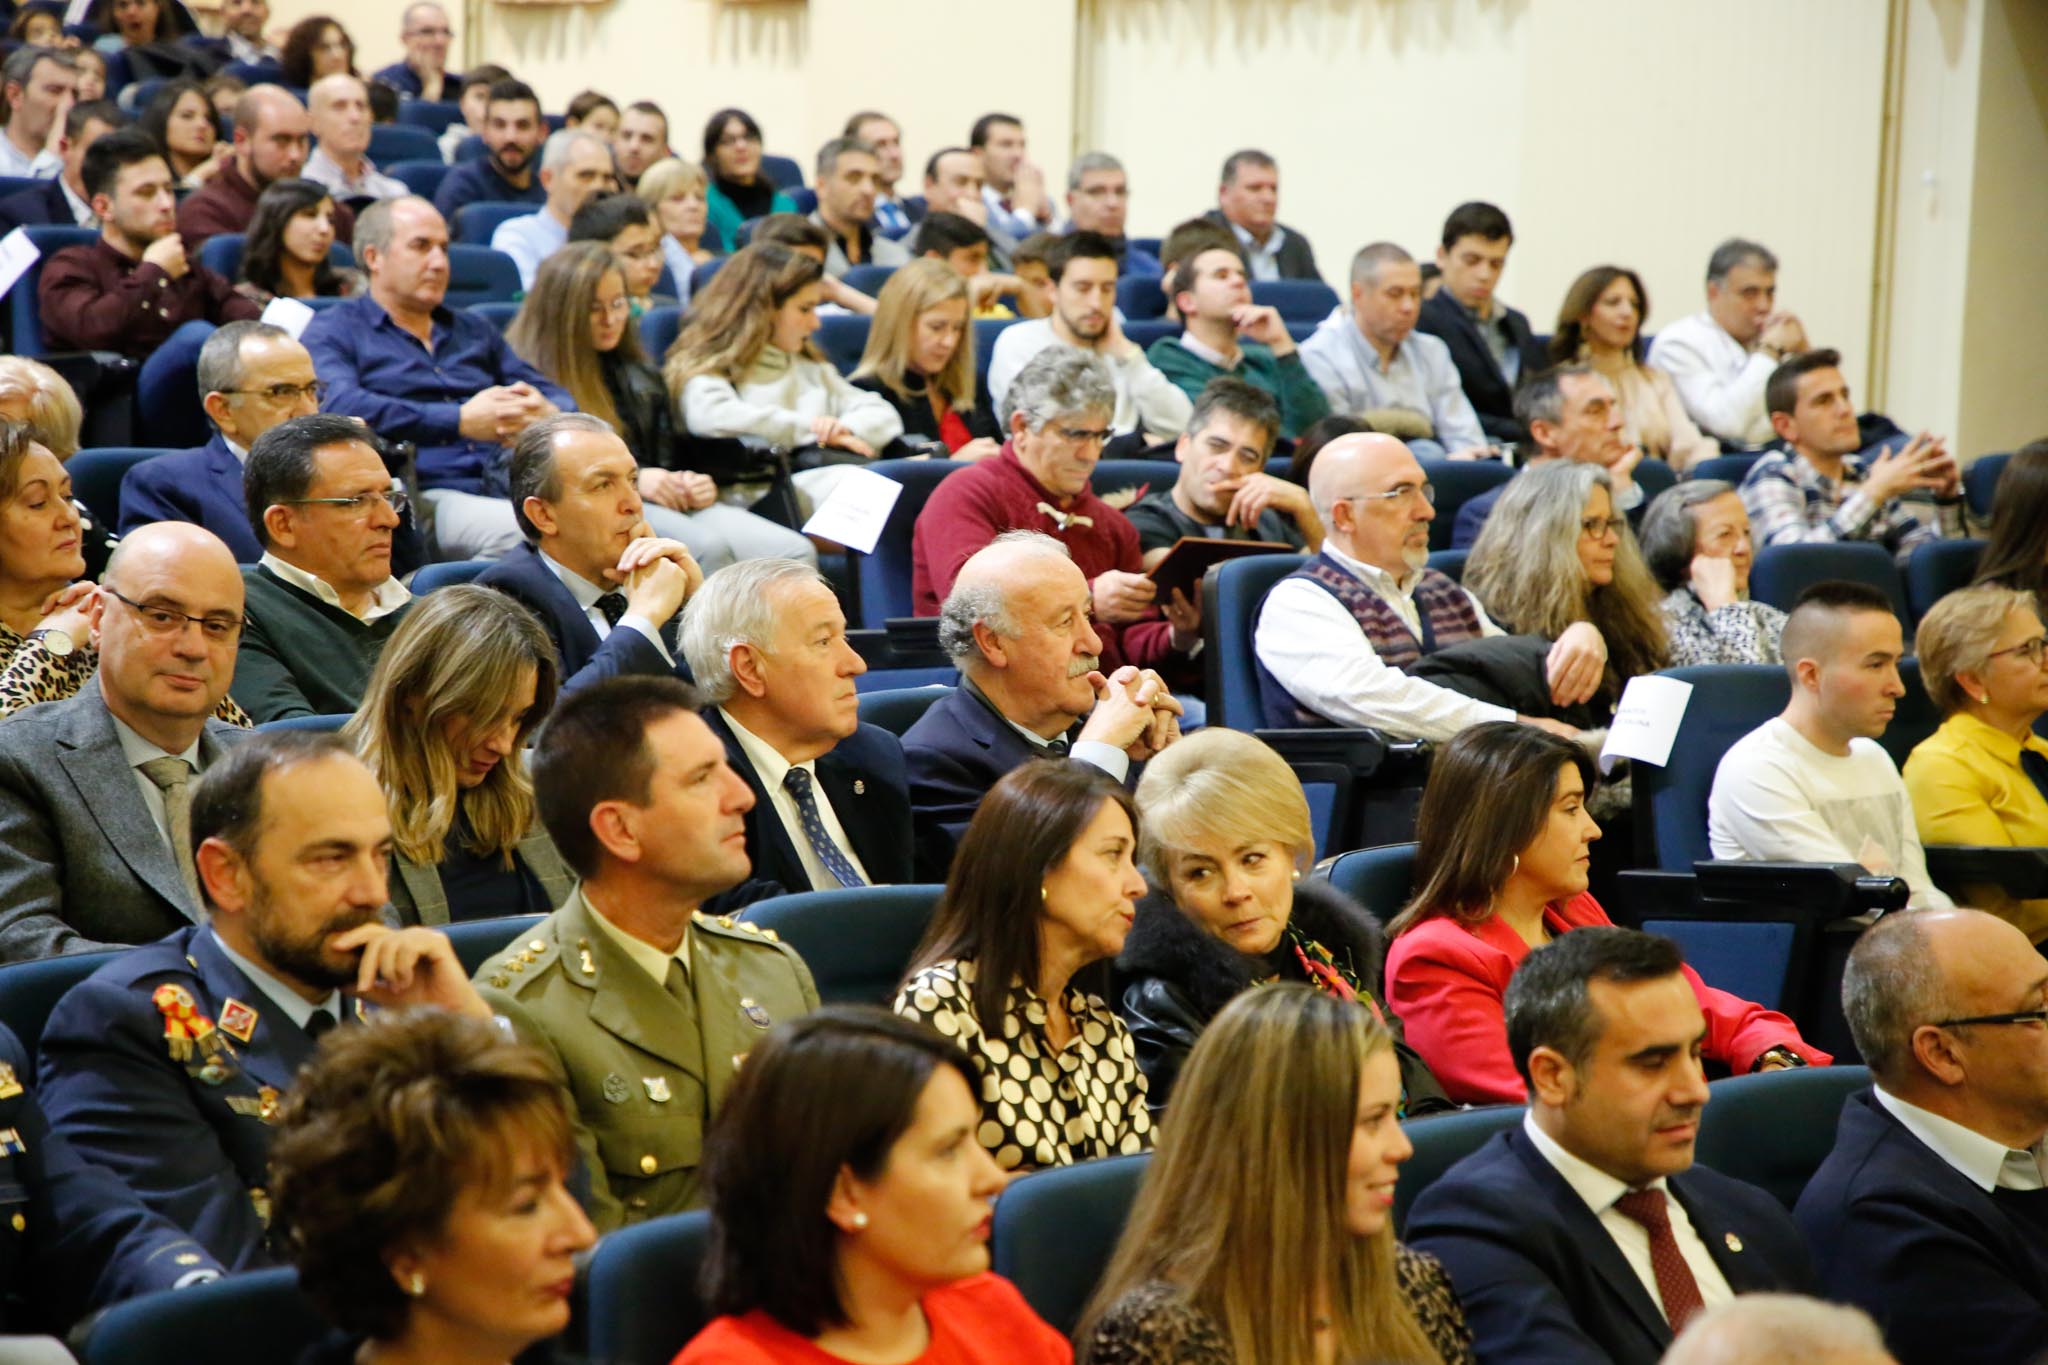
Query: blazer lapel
(624, 1001)
(92, 757)
(777, 859)
(423, 884)
(1593, 1241)
(1744, 1273)
(276, 1047)
(846, 789)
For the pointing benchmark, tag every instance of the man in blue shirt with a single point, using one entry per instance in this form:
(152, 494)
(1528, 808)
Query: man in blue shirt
(417, 370)
(575, 167)
(513, 132)
(424, 73)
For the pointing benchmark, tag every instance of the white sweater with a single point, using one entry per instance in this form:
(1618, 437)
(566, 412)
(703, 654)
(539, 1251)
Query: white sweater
(775, 403)
(1720, 380)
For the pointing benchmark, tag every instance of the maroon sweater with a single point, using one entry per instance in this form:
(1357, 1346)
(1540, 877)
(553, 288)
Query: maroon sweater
(92, 298)
(227, 203)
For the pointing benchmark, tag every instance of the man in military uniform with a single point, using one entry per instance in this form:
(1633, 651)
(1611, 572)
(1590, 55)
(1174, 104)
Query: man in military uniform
(167, 1065)
(647, 1004)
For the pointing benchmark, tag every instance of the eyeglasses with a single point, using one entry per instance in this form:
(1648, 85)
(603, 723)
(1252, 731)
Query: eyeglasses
(1426, 492)
(651, 251)
(622, 304)
(218, 627)
(739, 139)
(2033, 651)
(2016, 1017)
(285, 393)
(1599, 528)
(1091, 436)
(361, 504)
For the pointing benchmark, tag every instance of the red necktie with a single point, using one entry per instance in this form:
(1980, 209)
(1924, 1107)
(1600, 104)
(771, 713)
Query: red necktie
(1675, 1284)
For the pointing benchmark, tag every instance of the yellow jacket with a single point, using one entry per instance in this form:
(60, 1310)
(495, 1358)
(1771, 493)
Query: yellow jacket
(1968, 788)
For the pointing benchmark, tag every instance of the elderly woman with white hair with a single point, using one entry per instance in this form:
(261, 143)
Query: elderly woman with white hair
(1697, 543)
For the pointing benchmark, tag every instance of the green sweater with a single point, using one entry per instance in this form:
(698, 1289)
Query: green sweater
(300, 656)
(1301, 399)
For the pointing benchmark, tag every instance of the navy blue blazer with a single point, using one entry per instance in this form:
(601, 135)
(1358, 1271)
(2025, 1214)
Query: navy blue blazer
(192, 1140)
(1542, 1280)
(1952, 1274)
(42, 206)
(1493, 397)
(585, 659)
(202, 485)
(957, 750)
(1472, 516)
(83, 1240)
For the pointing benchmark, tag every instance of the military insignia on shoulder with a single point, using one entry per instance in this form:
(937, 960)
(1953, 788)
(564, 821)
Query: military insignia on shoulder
(184, 1025)
(11, 1143)
(237, 1020)
(9, 1086)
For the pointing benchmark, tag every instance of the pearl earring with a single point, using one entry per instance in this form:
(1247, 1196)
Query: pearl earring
(417, 1285)
(1516, 865)
(860, 1220)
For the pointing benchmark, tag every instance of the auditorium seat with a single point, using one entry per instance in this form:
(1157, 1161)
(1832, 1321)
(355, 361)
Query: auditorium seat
(167, 400)
(1728, 468)
(842, 339)
(1231, 594)
(477, 274)
(1327, 789)
(1139, 298)
(1441, 1142)
(1296, 300)
(255, 1313)
(1980, 482)
(1457, 482)
(1653, 477)
(391, 142)
(1774, 1129)
(1450, 563)
(222, 254)
(433, 115)
(447, 573)
(884, 576)
(1782, 572)
(1380, 879)
(421, 177)
(785, 171)
(499, 315)
(658, 326)
(896, 709)
(476, 940)
(1143, 332)
(476, 222)
(868, 279)
(986, 330)
(327, 724)
(25, 322)
(1937, 569)
(96, 477)
(30, 990)
(1055, 1230)
(643, 1305)
(1147, 476)
(857, 941)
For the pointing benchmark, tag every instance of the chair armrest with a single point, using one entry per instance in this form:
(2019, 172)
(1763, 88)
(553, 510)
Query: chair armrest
(1366, 752)
(886, 649)
(2020, 872)
(1831, 890)
(1648, 892)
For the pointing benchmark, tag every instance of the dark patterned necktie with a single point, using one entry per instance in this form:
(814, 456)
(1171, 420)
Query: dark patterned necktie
(613, 606)
(1675, 1284)
(829, 853)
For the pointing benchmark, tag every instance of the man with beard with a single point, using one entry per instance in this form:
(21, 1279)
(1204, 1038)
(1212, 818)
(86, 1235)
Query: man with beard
(513, 132)
(1223, 491)
(273, 135)
(167, 1065)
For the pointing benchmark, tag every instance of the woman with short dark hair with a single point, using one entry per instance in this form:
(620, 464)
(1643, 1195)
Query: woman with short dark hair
(851, 1206)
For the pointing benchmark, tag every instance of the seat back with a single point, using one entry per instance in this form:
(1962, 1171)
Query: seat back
(1937, 569)
(1297, 300)
(1653, 477)
(215, 1321)
(1774, 1129)
(447, 573)
(421, 177)
(96, 477)
(475, 222)
(857, 941)
(1750, 959)
(167, 402)
(23, 316)
(1441, 1142)
(1450, 563)
(1231, 594)
(1140, 298)
(1149, 476)
(391, 142)
(1915, 718)
(321, 725)
(1782, 572)
(433, 115)
(867, 279)
(475, 941)
(701, 276)
(658, 329)
(1728, 468)
(885, 575)
(30, 990)
(1327, 789)
(643, 1306)
(1056, 1229)
(896, 709)
(499, 315)
(986, 330)
(785, 171)
(1457, 482)
(1380, 879)
(1728, 701)
(842, 339)
(477, 274)
(1980, 482)
(1145, 331)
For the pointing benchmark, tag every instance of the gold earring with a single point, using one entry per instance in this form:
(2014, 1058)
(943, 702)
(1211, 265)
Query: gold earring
(1043, 894)
(1297, 874)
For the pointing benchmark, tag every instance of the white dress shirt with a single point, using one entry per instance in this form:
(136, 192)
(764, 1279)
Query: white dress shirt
(1984, 1162)
(1312, 644)
(649, 958)
(15, 162)
(1720, 381)
(1263, 260)
(1600, 1190)
(139, 751)
(296, 1007)
(530, 239)
(388, 596)
(1012, 223)
(586, 594)
(772, 769)
(81, 211)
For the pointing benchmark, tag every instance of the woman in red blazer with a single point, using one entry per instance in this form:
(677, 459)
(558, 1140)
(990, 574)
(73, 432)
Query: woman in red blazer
(1505, 841)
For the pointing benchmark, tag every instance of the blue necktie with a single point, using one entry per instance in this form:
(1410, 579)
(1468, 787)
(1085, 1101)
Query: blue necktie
(799, 784)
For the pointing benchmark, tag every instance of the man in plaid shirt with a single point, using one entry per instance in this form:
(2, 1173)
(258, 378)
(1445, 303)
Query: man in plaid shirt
(1822, 491)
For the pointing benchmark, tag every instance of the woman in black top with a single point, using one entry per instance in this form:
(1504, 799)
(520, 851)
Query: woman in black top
(285, 250)
(920, 357)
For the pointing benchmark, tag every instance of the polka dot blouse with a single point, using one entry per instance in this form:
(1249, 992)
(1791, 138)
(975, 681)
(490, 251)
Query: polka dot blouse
(1041, 1105)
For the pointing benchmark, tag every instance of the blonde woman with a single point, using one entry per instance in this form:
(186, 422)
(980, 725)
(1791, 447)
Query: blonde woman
(1263, 1234)
(1601, 325)
(457, 692)
(920, 360)
(674, 189)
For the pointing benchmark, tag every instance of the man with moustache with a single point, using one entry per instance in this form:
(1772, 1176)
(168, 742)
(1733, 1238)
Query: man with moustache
(168, 1064)
(513, 132)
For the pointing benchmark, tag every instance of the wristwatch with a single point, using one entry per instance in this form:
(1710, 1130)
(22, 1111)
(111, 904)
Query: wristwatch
(1779, 1054)
(57, 642)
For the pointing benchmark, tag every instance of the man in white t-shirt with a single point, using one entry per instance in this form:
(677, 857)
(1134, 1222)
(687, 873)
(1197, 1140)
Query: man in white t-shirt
(1813, 785)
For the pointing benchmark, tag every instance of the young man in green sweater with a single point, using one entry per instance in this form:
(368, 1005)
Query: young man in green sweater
(1226, 333)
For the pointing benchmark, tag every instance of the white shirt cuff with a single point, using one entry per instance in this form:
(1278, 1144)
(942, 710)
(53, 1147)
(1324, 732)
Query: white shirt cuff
(1107, 757)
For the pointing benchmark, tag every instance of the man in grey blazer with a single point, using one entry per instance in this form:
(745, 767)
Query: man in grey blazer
(95, 790)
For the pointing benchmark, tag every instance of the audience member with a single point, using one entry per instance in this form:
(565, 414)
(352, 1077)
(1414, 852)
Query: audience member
(1188, 240)
(513, 131)
(1031, 263)
(1019, 984)
(739, 188)
(37, 25)
(1372, 363)
(128, 291)
(1813, 785)
(286, 250)
(593, 112)
(1697, 546)
(744, 367)
(965, 247)
(1490, 343)
(444, 723)
(322, 600)
(953, 183)
(1319, 434)
(879, 131)
(920, 360)
(244, 38)
(37, 88)
(1721, 359)
(189, 131)
(62, 199)
(45, 587)
(1601, 325)
(675, 190)
(339, 106)
(1758, 1327)
(629, 978)
(847, 170)
(317, 46)
(1084, 319)
(1222, 490)
(271, 132)
(92, 75)
(2016, 554)
(1504, 840)
(1226, 838)
(124, 26)
(474, 100)
(224, 90)
(423, 73)
(1571, 414)
(625, 227)
(1013, 188)
(575, 167)
(1927, 1213)
(1264, 1227)
(1016, 623)
(1819, 490)
(641, 142)
(1984, 660)
(1585, 1232)
(1335, 638)
(851, 1206)
(421, 1178)
(155, 1065)
(1248, 204)
(766, 642)
(1227, 334)
(1098, 197)
(36, 396)
(416, 370)
(602, 585)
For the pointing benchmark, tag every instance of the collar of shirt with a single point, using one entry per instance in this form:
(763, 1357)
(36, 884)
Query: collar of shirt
(767, 760)
(1271, 247)
(139, 751)
(1201, 351)
(1808, 475)
(1031, 737)
(1986, 1163)
(1374, 577)
(1482, 323)
(241, 454)
(388, 597)
(1369, 354)
(1995, 741)
(81, 211)
(296, 1007)
(582, 589)
(320, 161)
(1588, 1181)
(645, 955)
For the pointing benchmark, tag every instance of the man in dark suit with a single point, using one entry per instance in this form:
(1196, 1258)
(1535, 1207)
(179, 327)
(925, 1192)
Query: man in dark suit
(1491, 343)
(1248, 203)
(766, 641)
(604, 587)
(167, 1065)
(1585, 1233)
(94, 790)
(62, 201)
(1016, 623)
(1930, 1213)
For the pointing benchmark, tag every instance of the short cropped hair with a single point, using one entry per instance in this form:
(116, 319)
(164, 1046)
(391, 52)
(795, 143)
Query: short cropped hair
(1819, 600)
(1190, 239)
(1240, 399)
(1371, 259)
(1080, 246)
(1540, 397)
(735, 606)
(1781, 390)
(1671, 533)
(829, 154)
(1035, 249)
(513, 91)
(605, 216)
(1090, 161)
(592, 749)
(1548, 1003)
(93, 111)
(220, 358)
(373, 225)
(985, 604)
(1250, 156)
(533, 472)
(227, 799)
(790, 230)
(561, 145)
(946, 233)
(983, 126)
(1739, 251)
(1057, 381)
(281, 463)
(110, 155)
(1477, 219)
(486, 76)
(1890, 987)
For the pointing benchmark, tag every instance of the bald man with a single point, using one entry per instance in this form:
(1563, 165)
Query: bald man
(1016, 624)
(1336, 637)
(1931, 1212)
(95, 791)
(1757, 1327)
(339, 107)
(272, 137)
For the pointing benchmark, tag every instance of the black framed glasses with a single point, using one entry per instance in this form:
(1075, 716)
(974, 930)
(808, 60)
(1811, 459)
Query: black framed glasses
(2016, 1017)
(1599, 528)
(359, 505)
(1083, 435)
(218, 627)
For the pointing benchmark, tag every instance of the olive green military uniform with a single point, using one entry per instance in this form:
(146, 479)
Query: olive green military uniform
(646, 1066)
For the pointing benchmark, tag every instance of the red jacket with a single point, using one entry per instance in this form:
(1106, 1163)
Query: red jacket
(1448, 983)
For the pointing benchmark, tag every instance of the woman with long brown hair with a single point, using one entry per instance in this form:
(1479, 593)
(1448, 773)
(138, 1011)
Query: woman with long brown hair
(2016, 554)
(1601, 324)
(1264, 1230)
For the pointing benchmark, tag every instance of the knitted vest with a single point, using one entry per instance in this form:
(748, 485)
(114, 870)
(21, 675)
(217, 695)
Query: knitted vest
(1448, 618)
